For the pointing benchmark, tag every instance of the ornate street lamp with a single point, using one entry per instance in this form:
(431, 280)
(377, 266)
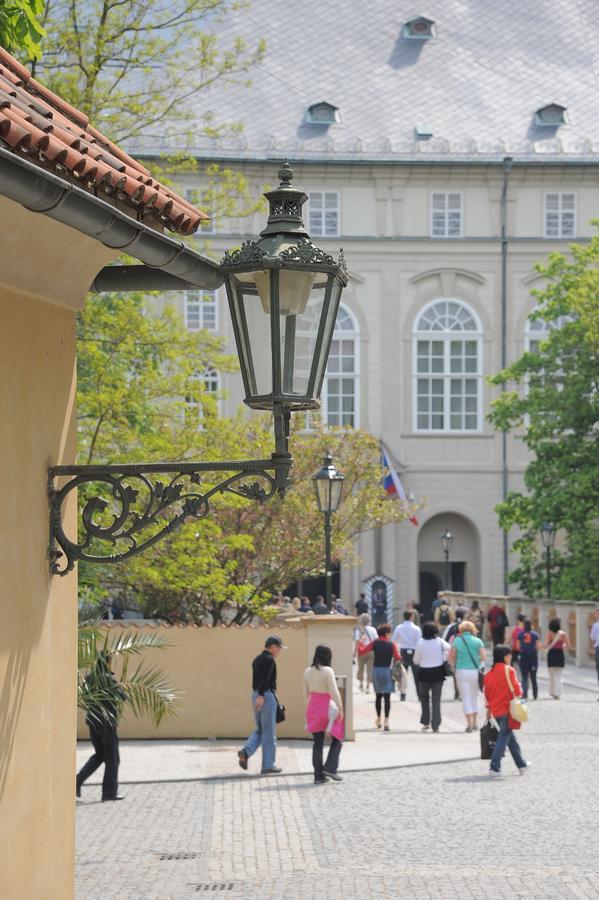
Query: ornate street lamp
(548, 538)
(284, 295)
(328, 486)
(447, 544)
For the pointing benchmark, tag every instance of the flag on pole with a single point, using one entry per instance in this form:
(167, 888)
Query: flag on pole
(392, 483)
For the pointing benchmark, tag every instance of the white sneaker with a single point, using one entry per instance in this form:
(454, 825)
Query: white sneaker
(425, 728)
(494, 774)
(523, 769)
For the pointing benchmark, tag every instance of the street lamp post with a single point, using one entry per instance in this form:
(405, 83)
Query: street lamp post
(283, 295)
(548, 539)
(328, 485)
(447, 544)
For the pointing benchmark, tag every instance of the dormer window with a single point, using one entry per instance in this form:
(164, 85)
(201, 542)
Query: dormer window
(551, 116)
(322, 114)
(419, 29)
(423, 132)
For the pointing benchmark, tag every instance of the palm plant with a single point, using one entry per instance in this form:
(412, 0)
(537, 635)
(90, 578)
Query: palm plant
(147, 689)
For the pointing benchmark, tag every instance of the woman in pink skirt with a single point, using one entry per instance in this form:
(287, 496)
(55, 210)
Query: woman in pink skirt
(324, 714)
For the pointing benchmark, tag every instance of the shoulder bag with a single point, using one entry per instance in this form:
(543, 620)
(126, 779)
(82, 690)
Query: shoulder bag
(447, 670)
(481, 671)
(518, 709)
(488, 738)
(280, 714)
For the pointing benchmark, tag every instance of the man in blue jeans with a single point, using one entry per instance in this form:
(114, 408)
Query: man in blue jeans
(264, 703)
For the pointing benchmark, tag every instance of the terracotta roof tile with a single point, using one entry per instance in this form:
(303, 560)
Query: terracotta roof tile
(37, 123)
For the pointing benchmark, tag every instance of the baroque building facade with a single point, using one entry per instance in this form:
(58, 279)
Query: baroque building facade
(441, 224)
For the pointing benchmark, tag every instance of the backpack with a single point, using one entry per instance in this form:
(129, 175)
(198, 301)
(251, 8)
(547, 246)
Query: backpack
(444, 617)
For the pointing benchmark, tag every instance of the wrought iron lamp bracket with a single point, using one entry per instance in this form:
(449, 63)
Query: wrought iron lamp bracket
(143, 508)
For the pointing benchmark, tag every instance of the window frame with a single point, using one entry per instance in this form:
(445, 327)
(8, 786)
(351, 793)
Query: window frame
(311, 229)
(213, 375)
(446, 337)
(446, 236)
(353, 335)
(560, 236)
(186, 301)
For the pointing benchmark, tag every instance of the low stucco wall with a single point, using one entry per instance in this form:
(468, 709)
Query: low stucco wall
(211, 667)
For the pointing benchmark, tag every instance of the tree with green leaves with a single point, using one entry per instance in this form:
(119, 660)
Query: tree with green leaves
(137, 67)
(20, 27)
(553, 404)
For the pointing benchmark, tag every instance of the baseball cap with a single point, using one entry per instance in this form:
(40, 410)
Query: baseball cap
(274, 639)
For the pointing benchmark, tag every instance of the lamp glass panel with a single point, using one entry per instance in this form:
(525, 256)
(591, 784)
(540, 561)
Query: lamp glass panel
(336, 489)
(253, 337)
(299, 338)
(331, 308)
(323, 494)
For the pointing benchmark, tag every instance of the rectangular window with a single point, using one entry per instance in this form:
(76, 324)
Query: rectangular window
(560, 215)
(201, 310)
(447, 214)
(324, 213)
(341, 384)
(447, 385)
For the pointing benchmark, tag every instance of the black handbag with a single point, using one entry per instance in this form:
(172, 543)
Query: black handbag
(280, 715)
(488, 739)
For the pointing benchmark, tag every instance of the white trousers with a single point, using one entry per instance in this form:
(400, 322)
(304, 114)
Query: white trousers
(555, 681)
(467, 680)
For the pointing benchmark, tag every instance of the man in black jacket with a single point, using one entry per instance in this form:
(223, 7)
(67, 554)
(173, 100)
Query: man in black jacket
(264, 702)
(106, 698)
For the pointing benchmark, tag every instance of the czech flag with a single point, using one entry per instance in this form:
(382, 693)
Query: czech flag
(392, 483)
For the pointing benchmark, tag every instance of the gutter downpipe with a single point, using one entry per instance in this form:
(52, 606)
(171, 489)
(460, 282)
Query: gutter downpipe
(175, 265)
(507, 168)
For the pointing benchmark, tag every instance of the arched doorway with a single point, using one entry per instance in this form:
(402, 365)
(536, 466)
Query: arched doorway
(462, 573)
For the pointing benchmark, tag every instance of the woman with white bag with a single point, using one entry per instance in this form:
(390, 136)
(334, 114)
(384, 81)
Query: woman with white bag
(502, 693)
(324, 714)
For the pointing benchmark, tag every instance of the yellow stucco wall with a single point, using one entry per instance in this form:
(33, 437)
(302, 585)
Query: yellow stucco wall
(212, 669)
(45, 270)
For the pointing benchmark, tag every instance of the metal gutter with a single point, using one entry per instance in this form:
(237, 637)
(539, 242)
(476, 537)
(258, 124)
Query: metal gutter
(43, 192)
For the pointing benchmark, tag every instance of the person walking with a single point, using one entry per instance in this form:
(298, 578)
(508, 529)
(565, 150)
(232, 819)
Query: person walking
(414, 609)
(364, 636)
(406, 636)
(476, 617)
(430, 656)
(324, 713)
(529, 644)
(501, 685)
(556, 643)
(498, 622)
(107, 698)
(516, 632)
(594, 636)
(444, 615)
(361, 605)
(264, 703)
(384, 653)
(467, 655)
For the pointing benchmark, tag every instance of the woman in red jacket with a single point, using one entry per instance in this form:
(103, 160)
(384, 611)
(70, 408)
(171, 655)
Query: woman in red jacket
(501, 685)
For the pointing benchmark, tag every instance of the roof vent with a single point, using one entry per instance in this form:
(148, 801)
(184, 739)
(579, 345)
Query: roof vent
(423, 132)
(322, 114)
(419, 29)
(551, 116)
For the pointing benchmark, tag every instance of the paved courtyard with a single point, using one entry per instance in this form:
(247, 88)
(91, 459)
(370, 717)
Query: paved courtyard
(416, 815)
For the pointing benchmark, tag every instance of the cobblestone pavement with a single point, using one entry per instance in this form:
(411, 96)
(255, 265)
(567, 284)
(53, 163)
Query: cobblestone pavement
(441, 830)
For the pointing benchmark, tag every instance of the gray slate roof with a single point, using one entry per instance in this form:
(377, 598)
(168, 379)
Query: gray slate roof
(476, 85)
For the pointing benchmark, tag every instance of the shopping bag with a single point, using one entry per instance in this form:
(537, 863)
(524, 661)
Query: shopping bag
(488, 739)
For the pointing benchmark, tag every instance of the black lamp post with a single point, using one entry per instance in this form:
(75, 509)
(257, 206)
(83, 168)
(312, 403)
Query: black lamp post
(328, 485)
(548, 538)
(284, 296)
(447, 544)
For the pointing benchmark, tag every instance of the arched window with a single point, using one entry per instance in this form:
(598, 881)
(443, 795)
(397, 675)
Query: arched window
(538, 330)
(447, 368)
(340, 390)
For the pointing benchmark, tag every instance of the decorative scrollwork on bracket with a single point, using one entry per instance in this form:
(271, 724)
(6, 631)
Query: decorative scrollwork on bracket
(131, 510)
